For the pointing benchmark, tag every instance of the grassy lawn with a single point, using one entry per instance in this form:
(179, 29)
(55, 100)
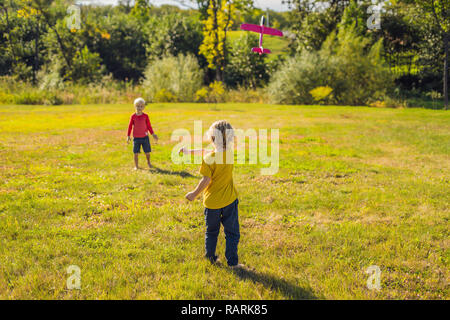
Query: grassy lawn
(356, 187)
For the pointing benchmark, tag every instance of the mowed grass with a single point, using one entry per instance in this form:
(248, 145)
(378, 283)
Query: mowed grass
(356, 187)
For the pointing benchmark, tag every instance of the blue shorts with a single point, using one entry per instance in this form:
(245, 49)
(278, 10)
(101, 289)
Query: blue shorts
(144, 142)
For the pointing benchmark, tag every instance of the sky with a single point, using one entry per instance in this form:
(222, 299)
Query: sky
(271, 4)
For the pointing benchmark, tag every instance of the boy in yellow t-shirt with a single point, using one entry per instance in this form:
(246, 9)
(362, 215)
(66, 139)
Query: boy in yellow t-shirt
(220, 196)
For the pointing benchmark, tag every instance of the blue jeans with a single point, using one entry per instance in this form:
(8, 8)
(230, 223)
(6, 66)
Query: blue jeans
(229, 218)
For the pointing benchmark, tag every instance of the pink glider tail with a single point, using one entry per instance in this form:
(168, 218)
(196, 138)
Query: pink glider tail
(261, 51)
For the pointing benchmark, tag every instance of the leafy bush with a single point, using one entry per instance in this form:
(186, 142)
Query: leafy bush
(53, 99)
(49, 77)
(202, 95)
(22, 71)
(86, 67)
(320, 94)
(347, 63)
(297, 77)
(106, 91)
(164, 95)
(214, 93)
(34, 96)
(30, 97)
(243, 95)
(180, 75)
(6, 98)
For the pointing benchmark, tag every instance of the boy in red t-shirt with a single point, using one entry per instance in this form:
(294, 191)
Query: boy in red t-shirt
(140, 123)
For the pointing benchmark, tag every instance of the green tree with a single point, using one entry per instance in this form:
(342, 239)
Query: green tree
(141, 10)
(172, 34)
(213, 47)
(21, 43)
(438, 11)
(52, 12)
(125, 5)
(311, 21)
(123, 50)
(245, 67)
(218, 20)
(398, 30)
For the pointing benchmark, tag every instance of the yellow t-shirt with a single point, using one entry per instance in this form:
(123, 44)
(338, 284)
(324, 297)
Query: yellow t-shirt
(221, 191)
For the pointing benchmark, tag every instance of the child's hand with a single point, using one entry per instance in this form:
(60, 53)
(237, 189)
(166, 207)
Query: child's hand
(190, 196)
(128, 139)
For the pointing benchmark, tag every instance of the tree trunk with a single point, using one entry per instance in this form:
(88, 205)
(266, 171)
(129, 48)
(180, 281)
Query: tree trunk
(446, 35)
(219, 77)
(36, 53)
(225, 51)
(215, 6)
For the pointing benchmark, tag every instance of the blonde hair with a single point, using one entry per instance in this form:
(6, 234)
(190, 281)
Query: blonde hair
(139, 101)
(221, 130)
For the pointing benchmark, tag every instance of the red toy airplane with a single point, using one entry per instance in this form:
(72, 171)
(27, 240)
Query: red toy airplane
(262, 30)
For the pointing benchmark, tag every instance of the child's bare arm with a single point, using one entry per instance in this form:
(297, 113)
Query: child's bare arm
(130, 127)
(204, 182)
(192, 151)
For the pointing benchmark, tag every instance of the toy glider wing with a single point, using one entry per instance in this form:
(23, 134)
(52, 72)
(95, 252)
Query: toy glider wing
(273, 32)
(251, 27)
(259, 29)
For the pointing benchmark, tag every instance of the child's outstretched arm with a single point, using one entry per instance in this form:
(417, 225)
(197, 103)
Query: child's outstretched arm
(204, 182)
(199, 152)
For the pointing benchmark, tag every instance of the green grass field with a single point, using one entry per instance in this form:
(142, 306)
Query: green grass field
(356, 187)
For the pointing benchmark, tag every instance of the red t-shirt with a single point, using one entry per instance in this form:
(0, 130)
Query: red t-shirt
(141, 125)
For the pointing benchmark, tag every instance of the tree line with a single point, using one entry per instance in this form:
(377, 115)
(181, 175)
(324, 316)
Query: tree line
(126, 40)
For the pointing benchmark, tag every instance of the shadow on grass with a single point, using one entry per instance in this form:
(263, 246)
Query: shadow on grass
(183, 174)
(289, 290)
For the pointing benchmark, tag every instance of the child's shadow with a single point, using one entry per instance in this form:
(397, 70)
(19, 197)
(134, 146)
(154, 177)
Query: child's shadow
(289, 290)
(183, 174)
